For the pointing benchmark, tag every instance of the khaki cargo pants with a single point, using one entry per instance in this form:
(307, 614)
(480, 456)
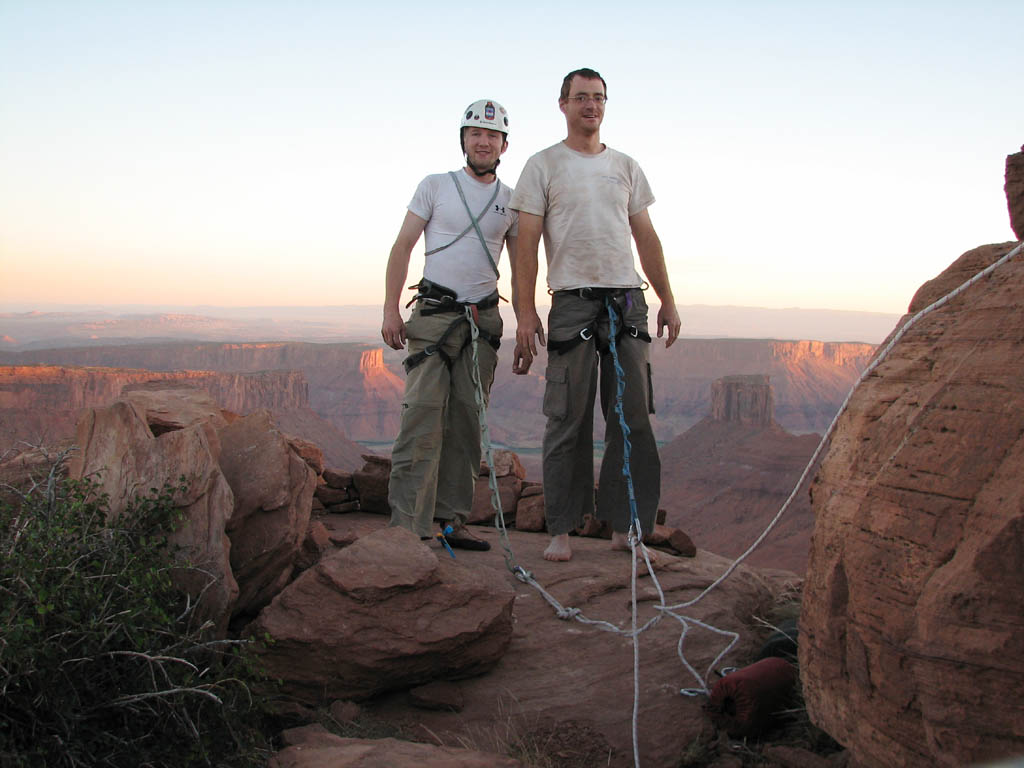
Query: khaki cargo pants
(569, 396)
(436, 457)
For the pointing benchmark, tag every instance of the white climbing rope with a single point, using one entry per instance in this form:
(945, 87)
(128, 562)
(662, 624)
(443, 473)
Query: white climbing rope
(687, 622)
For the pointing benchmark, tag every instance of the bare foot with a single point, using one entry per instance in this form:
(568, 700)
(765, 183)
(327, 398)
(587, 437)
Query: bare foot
(558, 549)
(621, 541)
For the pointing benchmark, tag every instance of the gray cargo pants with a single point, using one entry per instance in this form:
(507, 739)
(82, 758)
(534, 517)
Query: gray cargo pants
(436, 456)
(572, 379)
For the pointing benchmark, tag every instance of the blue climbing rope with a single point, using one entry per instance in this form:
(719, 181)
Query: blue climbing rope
(627, 448)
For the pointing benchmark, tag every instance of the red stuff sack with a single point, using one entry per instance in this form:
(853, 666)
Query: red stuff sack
(745, 702)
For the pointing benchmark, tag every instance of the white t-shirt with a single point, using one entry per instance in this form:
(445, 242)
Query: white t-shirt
(586, 202)
(463, 267)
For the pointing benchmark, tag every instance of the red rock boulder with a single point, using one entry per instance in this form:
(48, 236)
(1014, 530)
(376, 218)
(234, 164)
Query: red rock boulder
(911, 649)
(1015, 192)
(273, 489)
(382, 614)
(530, 510)
(371, 483)
(118, 449)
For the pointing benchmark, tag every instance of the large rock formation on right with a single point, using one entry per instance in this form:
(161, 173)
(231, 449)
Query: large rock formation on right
(912, 627)
(1014, 188)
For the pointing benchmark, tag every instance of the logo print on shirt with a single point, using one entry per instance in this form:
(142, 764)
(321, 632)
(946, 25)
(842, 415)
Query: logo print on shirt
(499, 209)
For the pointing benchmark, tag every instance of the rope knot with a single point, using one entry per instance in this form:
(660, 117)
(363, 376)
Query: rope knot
(568, 613)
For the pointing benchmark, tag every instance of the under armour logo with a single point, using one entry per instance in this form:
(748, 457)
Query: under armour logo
(499, 209)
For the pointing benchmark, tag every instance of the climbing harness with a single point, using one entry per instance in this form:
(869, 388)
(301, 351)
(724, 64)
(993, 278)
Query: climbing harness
(610, 298)
(440, 300)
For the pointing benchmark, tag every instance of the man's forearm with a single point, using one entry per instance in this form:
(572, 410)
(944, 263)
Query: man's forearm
(652, 257)
(525, 288)
(524, 274)
(395, 276)
(653, 265)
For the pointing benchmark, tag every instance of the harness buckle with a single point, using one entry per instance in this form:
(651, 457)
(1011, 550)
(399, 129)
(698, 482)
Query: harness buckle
(586, 334)
(633, 331)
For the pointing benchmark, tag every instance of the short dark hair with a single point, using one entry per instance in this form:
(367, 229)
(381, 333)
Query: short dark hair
(587, 74)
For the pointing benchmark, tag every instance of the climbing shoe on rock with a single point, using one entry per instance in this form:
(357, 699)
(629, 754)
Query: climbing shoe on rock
(459, 537)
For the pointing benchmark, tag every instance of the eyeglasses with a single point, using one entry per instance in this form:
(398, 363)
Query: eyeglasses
(582, 98)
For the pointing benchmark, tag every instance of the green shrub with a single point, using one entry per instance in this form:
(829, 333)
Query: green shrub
(100, 661)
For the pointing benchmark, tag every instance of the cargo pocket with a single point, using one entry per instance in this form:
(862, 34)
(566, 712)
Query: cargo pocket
(556, 392)
(650, 390)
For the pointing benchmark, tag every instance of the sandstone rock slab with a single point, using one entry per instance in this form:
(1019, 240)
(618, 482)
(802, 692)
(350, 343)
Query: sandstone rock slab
(384, 613)
(371, 482)
(530, 513)
(316, 542)
(505, 463)
(308, 451)
(911, 647)
(169, 406)
(118, 449)
(337, 479)
(273, 489)
(319, 749)
(483, 507)
(1014, 188)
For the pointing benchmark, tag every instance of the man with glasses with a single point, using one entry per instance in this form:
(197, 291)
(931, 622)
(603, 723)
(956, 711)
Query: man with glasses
(466, 220)
(588, 200)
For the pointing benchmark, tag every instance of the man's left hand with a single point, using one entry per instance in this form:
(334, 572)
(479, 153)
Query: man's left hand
(668, 317)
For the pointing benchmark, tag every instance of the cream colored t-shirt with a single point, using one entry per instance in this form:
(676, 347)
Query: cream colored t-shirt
(586, 202)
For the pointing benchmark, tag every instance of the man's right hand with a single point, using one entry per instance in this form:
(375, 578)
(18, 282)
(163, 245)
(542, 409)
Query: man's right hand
(393, 330)
(529, 332)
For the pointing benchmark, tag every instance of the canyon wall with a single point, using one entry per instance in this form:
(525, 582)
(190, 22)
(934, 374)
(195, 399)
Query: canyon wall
(40, 403)
(809, 380)
(349, 385)
(359, 387)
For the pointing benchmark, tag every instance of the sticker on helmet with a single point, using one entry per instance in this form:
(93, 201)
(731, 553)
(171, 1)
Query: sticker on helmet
(489, 111)
(469, 114)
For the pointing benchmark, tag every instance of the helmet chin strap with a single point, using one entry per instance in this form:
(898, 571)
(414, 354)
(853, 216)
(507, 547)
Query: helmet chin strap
(482, 172)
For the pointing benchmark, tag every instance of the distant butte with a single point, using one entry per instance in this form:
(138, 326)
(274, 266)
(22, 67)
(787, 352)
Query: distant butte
(725, 478)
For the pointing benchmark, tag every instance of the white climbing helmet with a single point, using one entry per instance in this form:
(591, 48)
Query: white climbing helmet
(485, 113)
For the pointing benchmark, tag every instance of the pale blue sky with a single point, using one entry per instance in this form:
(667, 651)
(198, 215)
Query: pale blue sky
(240, 153)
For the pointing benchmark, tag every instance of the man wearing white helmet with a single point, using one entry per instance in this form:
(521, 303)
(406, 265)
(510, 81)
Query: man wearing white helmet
(466, 220)
(590, 203)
